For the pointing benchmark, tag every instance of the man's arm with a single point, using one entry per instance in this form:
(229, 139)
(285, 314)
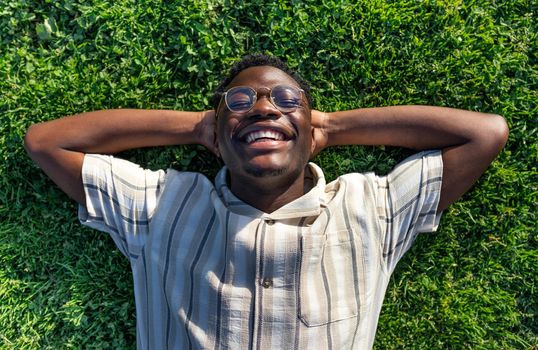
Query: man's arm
(58, 146)
(469, 140)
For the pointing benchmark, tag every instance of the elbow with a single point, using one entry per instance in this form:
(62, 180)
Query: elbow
(35, 141)
(30, 140)
(492, 135)
(498, 132)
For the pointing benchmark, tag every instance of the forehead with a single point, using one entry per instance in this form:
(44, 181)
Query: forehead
(262, 76)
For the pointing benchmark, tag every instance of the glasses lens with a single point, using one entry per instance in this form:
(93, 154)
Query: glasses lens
(286, 98)
(240, 99)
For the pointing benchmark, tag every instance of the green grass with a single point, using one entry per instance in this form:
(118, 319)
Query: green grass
(472, 285)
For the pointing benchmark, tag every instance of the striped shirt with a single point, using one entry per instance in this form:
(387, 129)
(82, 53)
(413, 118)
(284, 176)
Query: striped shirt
(212, 272)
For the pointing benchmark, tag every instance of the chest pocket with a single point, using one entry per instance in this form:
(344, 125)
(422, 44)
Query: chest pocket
(328, 283)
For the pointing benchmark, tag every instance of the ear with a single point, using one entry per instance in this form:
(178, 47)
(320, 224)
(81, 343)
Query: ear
(216, 149)
(314, 142)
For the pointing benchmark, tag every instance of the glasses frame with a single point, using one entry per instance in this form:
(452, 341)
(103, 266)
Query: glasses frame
(256, 92)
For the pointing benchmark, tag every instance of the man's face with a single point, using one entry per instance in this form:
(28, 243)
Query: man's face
(264, 142)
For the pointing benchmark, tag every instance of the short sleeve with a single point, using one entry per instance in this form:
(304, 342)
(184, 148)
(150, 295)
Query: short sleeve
(407, 203)
(120, 200)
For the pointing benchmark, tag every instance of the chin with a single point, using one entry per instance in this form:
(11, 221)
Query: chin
(261, 172)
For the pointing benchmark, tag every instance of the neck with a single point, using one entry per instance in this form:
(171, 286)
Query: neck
(267, 193)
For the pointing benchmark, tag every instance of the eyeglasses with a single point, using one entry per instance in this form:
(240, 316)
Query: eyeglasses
(241, 99)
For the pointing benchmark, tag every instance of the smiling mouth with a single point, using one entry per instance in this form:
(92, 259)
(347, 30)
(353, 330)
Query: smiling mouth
(264, 135)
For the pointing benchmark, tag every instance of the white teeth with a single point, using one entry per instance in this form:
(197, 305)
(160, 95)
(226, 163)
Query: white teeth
(264, 134)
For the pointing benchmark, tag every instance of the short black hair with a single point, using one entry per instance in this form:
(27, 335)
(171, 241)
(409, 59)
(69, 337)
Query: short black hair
(259, 59)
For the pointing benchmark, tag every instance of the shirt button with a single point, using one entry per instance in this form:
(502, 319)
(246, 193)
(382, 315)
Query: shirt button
(270, 221)
(267, 283)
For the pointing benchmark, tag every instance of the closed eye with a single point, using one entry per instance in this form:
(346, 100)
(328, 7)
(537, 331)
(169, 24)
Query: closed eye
(288, 103)
(239, 104)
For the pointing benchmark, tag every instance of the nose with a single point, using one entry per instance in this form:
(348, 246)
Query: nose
(264, 107)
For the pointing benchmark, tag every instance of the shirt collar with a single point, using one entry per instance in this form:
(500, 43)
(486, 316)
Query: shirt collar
(308, 204)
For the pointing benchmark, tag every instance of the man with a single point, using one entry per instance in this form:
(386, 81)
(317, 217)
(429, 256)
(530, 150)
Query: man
(269, 256)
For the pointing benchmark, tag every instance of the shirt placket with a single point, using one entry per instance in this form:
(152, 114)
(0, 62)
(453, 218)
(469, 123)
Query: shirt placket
(264, 281)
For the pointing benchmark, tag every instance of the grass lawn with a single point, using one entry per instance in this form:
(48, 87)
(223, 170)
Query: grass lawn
(471, 285)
